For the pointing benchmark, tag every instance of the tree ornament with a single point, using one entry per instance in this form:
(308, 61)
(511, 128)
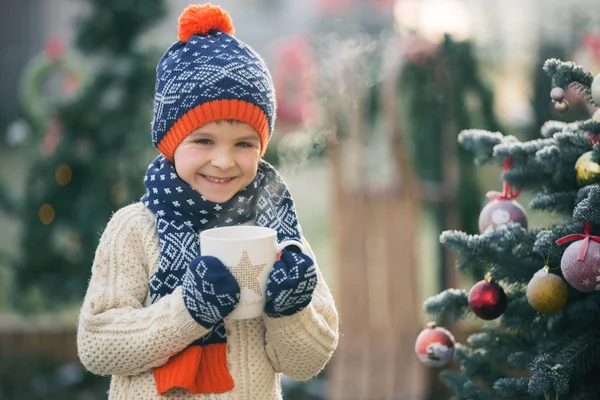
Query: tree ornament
(561, 106)
(546, 292)
(580, 263)
(596, 115)
(593, 139)
(435, 346)
(503, 208)
(499, 212)
(596, 89)
(557, 94)
(487, 299)
(587, 170)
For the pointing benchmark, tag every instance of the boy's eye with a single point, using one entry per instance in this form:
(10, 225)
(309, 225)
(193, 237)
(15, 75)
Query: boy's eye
(245, 144)
(203, 141)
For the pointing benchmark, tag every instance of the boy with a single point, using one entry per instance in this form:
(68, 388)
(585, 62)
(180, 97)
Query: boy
(154, 316)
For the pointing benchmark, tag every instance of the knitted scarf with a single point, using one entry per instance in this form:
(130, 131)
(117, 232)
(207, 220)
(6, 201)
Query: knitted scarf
(181, 214)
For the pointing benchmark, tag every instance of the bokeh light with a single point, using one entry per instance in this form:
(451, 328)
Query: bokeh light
(433, 19)
(63, 174)
(46, 214)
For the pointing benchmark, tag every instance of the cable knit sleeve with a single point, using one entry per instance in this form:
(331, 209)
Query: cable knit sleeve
(300, 345)
(117, 334)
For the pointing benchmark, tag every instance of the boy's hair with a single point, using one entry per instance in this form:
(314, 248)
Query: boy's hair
(208, 75)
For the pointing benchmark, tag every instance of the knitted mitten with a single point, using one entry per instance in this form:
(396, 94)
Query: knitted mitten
(291, 284)
(210, 291)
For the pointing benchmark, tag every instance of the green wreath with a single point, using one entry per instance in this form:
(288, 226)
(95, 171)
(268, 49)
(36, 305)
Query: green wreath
(37, 71)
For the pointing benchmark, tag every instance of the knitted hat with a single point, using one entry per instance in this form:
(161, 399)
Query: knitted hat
(209, 75)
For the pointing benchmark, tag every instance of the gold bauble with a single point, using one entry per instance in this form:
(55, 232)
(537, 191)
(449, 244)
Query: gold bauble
(588, 171)
(546, 292)
(561, 106)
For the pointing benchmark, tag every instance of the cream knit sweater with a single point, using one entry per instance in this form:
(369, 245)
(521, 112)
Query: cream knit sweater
(120, 333)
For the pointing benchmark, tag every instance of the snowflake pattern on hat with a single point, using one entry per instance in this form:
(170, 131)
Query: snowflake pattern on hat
(206, 68)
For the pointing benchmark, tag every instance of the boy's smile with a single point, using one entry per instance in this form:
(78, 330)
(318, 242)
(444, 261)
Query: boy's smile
(216, 180)
(219, 159)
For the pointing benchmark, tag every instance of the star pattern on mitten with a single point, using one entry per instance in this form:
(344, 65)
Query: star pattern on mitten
(210, 291)
(291, 284)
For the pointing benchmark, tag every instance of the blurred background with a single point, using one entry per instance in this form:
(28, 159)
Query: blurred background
(371, 97)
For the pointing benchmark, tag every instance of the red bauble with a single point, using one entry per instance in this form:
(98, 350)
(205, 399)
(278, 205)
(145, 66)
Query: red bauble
(499, 212)
(487, 299)
(435, 346)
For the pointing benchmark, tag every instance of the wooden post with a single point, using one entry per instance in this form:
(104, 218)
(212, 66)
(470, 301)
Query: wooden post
(376, 261)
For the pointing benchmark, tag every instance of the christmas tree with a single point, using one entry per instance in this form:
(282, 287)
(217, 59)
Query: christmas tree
(102, 151)
(540, 286)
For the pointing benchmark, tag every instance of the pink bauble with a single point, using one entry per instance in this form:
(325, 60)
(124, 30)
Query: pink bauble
(499, 212)
(582, 275)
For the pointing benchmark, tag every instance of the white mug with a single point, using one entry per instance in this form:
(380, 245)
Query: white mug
(249, 252)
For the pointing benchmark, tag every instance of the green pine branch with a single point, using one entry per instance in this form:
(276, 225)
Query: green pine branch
(450, 302)
(514, 388)
(590, 126)
(588, 210)
(504, 252)
(568, 74)
(559, 202)
(481, 142)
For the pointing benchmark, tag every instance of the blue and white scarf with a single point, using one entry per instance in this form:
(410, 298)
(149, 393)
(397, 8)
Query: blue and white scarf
(182, 213)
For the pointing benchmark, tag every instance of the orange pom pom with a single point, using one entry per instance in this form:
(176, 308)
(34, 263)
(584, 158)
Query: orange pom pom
(201, 18)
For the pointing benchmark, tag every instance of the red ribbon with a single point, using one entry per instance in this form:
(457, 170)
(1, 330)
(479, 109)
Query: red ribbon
(586, 237)
(508, 192)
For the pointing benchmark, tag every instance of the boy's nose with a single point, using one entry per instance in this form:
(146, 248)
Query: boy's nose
(222, 160)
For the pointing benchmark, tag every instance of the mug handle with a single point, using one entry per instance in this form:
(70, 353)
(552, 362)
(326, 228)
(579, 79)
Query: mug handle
(285, 243)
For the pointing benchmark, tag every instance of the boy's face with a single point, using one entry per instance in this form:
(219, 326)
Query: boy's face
(219, 159)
